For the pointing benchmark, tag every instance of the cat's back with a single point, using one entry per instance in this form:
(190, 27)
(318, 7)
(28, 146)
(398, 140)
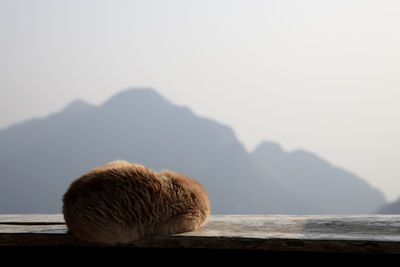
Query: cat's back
(113, 203)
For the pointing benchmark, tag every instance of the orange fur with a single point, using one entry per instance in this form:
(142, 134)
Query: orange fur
(121, 202)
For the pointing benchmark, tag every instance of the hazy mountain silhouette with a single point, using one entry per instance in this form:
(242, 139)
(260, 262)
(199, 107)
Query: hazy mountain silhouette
(390, 208)
(332, 189)
(40, 157)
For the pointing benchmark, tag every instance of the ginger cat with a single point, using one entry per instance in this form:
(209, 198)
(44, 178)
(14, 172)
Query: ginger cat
(120, 202)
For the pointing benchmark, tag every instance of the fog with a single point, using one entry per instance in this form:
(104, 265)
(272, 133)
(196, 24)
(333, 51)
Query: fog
(315, 75)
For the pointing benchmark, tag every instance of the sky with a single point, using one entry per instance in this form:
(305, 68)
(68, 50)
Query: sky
(316, 75)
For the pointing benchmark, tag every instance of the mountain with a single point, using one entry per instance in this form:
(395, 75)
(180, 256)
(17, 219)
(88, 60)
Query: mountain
(390, 208)
(39, 158)
(332, 189)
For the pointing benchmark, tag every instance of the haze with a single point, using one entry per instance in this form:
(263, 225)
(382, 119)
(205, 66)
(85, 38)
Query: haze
(318, 75)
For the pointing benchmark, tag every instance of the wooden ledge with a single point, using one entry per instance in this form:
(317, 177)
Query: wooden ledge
(372, 234)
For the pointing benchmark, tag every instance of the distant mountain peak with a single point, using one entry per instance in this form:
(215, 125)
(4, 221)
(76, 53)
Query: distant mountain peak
(269, 147)
(135, 95)
(77, 105)
(137, 92)
(332, 189)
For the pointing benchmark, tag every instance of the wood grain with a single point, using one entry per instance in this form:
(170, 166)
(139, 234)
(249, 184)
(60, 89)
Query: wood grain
(359, 234)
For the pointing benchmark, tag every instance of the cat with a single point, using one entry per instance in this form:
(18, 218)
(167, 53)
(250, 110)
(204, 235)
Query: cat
(120, 202)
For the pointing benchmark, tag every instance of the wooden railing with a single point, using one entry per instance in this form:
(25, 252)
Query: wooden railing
(286, 237)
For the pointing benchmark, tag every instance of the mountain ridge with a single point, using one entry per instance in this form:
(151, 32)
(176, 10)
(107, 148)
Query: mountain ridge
(390, 208)
(309, 174)
(137, 125)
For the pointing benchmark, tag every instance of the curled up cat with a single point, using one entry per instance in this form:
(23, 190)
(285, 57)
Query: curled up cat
(120, 202)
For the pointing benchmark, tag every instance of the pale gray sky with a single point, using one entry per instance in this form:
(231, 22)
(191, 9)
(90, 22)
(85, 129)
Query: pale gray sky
(319, 75)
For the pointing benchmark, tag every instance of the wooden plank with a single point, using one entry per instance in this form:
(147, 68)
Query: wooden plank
(31, 218)
(372, 227)
(357, 234)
